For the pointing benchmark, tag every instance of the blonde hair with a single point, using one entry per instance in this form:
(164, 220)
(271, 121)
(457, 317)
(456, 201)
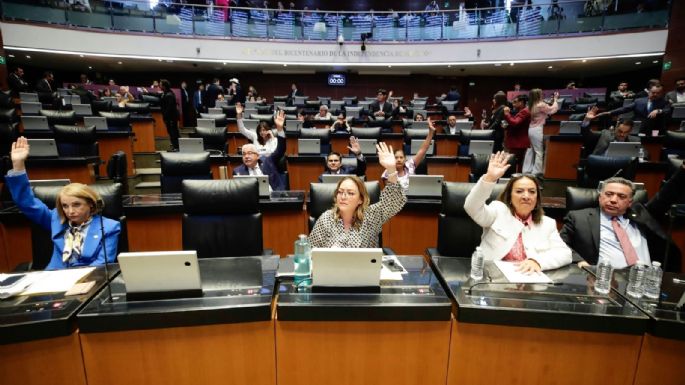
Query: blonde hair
(77, 190)
(358, 216)
(534, 100)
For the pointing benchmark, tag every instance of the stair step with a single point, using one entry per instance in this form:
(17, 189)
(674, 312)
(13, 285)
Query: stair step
(149, 171)
(149, 185)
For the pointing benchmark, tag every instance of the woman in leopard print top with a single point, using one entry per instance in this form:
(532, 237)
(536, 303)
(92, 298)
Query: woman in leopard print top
(352, 221)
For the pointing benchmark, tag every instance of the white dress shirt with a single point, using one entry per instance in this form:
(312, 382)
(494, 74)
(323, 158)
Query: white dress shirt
(610, 247)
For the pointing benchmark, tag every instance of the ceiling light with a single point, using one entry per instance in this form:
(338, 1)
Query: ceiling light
(28, 56)
(584, 60)
(655, 61)
(80, 55)
(637, 63)
(120, 63)
(389, 66)
(498, 64)
(224, 63)
(10, 55)
(449, 66)
(90, 67)
(550, 67)
(511, 64)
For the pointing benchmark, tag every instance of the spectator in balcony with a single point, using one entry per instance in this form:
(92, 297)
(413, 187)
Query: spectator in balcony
(323, 113)
(170, 113)
(222, 9)
(16, 82)
(539, 111)
(516, 140)
(617, 97)
(677, 95)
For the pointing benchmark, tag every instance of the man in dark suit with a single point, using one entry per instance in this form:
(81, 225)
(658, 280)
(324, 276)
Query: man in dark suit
(653, 110)
(46, 92)
(186, 106)
(334, 164)
(294, 91)
(499, 101)
(595, 232)
(381, 109)
(677, 95)
(620, 134)
(253, 164)
(213, 92)
(16, 82)
(200, 99)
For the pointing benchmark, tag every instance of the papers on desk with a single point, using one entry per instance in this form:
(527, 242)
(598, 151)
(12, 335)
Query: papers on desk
(392, 269)
(513, 276)
(40, 282)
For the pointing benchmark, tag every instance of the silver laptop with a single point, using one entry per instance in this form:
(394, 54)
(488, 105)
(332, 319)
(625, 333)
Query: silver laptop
(191, 145)
(206, 123)
(308, 146)
(481, 147)
(292, 125)
(99, 122)
(368, 146)
(161, 272)
(82, 109)
(215, 111)
(262, 181)
(41, 148)
(35, 123)
(422, 124)
(221, 103)
(49, 182)
(30, 107)
(624, 149)
(416, 144)
(334, 178)
(346, 268)
(28, 97)
(569, 127)
(425, 186)
(464, 125)
(72, 99)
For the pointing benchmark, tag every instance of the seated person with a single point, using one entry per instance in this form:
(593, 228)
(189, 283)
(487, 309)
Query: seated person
(622, 230)
(514, 226)
(341, 124)
(254, 164)
(323, 113)
(419, 117)
(404, 167)
(380, 109)
(352, 221)
(263, 140)
(74, 223)
(620, 134)
(306, 122)
(397, 109)
(452, 120)
(334, 162)
(124, 96)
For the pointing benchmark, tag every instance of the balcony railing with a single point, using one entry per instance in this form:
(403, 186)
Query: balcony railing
(162, 17)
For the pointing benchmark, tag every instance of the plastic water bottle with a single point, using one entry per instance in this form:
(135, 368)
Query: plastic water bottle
(477, 263)
(303, 261)
(641, 154)
(653, 280)
(636, 278)
(604, 273)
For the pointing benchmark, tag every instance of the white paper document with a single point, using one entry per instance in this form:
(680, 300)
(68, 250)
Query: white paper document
(513, 276)
(57, 281)
(397, 269)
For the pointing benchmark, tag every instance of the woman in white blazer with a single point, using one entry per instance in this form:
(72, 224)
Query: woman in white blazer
(514, 227)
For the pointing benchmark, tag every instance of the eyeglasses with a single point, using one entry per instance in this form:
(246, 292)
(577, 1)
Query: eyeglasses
(250, 153)
(346, 194)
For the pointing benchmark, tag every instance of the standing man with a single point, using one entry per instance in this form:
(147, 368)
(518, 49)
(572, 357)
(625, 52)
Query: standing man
(213, 92)
(652, 110)
(186, 106)
(200, 99)
(16, 82)
(294, 91)
(45, 90)
(677, 95)
(622, 230)
(169, 113)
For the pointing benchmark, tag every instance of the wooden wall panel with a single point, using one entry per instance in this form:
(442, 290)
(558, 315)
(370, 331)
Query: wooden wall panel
(661, 361)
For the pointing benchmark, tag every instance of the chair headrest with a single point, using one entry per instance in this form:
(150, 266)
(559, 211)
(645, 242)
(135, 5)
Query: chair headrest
(111, 194)
(315, 133)
(59, 117)
(74, 134)
(367, 133)
(180, 164)
(415, 133)
(454, 195)
(205, 132)
(137, 107)
(469, 135)
(220, 197)
(578, 198)
(674, 140)
(212, 116)
(101, 105)
(8, 115)
(265, 117)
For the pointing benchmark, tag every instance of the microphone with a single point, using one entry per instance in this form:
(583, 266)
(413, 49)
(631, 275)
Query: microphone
(470, 289)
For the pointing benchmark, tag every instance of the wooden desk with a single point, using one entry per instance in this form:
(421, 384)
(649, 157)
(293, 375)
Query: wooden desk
(447, 145)
(303, 170)
(414, 229)
(109, 143)
(144, 130)
(81, 170)
(661, 361)
(562, 155)
(454, 169)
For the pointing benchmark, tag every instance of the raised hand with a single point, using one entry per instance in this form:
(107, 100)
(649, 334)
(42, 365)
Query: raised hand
(239, 109)
(498, 165)
(19, 153)
(556, 95)
(431, 127)
(507, 110)
(386, 156)
(592, 113)
(279, 120)
(354, 146)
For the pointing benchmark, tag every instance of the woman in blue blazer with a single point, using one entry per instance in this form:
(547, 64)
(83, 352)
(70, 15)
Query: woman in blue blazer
(74, 223)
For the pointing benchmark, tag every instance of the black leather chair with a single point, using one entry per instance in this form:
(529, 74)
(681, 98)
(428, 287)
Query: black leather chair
(229, 111)
(67, 118)
(9, 132)
(321, 197)
(590, 139)
(367, 133)
(41, 240)
(281, 98)
(133, 107)
(76, 140)
(100, 105)
(674, 144)
(413, 134)
(214, 139)
(673, 166)
(117, 169)
(264, 110)
(466, 136)
(221, 218)
(219, 119)
(317, 133)
(8, 115)
(152, 100)
(479, 166)
(263, 117)
(458, 234)
(117, 120)
(179, 166)
(578, 198)
(598, 168)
